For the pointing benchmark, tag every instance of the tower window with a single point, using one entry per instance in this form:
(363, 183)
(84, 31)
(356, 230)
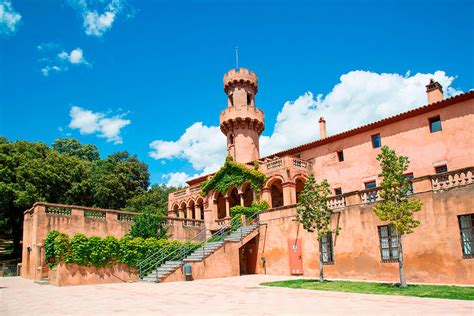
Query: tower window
(376, 141)
(231, 139)
(435, 124)
(340, 155)
(231, 100)
(249, 98)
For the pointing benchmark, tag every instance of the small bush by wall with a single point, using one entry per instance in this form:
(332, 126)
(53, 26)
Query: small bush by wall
(100, 252)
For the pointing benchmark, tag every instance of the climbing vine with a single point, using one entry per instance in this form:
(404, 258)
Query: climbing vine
(100, 252)
(233, 174)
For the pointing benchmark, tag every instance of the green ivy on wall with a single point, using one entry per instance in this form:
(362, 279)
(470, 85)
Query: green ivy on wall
(100, 252)
(231, 175)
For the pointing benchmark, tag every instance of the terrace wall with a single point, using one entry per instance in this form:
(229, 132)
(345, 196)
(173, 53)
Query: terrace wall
(432, 253)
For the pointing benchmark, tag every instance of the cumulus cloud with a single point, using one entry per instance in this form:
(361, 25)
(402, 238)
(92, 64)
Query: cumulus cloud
(99, 16)
(55, 60)
(9, 18)
(76, 56)
(89, 122)
(359, 98)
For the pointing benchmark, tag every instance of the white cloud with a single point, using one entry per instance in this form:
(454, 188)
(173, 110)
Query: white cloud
(359, 98)
(89, 122)
(9, 18)
(203, 146)
(99, 16)
(59, 62)
(76, 56)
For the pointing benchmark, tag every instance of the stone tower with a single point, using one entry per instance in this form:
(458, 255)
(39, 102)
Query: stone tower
(242, 122)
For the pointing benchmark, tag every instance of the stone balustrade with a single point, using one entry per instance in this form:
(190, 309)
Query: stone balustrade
(286, 162)
(177, 221)
(337, 201)
(91, 213)
(369, 195)
(222, 221)
(451, 179)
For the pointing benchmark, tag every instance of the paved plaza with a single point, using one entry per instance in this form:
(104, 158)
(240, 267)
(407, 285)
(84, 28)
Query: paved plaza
(226, 296)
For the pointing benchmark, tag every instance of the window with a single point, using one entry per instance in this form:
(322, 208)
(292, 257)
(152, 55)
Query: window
(388, 243)
(441, 169)
(338, 191)
(376, 141)
(326, 249)
(466, 224)
(340, 155)
(410, 177)
(371, 195)
(435, 124)
(249, 98)
(370, 184)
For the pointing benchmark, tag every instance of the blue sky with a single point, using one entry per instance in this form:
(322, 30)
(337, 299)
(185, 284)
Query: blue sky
(127, 75)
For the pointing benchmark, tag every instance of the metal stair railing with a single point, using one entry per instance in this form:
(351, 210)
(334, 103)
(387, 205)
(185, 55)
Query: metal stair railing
(157, 259)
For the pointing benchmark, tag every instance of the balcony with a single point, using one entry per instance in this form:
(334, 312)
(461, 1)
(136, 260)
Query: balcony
(289, 162)
(451, 179)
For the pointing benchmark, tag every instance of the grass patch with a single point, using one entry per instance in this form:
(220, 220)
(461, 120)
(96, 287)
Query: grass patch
(433, 291)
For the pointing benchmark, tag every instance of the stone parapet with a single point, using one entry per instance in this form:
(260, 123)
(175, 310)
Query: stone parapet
(242, 117)
(241, 75)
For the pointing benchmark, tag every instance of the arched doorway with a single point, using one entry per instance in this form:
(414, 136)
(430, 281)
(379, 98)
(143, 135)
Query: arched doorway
(234, 198)
(200, 206)
(184, 210)
(176, 210)
(247, 194)
(192, 207)
(276, 190)
(220, 201)
(299, 187)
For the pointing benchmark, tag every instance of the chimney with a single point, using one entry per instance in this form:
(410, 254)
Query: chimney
(322, 128)
(434, 91)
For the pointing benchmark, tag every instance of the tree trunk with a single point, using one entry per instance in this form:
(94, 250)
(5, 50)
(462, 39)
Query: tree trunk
(321, 274)
(401, 263)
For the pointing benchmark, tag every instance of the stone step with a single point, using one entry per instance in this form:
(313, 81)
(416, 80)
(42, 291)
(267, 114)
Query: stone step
(42, 282)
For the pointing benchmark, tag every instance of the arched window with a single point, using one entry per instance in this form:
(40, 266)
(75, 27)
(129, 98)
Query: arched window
(176, 210)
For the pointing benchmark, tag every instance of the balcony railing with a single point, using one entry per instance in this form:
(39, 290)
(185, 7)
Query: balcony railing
(286, 162)
(336, 201)
(370, 195)
(451, 179)
(222, 221)
(176, 221)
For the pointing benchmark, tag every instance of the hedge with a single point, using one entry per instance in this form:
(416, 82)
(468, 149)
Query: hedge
(100, 252)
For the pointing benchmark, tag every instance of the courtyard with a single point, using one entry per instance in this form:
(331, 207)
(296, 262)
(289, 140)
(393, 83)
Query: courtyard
(224, 296)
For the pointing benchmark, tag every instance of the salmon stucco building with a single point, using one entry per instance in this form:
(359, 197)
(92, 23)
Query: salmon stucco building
(437, 138)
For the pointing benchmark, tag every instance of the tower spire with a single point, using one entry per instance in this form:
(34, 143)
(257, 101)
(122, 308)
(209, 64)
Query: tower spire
(237, 57)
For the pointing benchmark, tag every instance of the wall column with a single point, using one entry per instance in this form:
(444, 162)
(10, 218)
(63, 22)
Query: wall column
(241, 195)
(227, 207)
(289, 193)
(190, 212)
(267, 196)
(181, 212)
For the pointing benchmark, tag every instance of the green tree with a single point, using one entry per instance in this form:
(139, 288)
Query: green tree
(154, 200)
(119, 178)
(397, 206)
(147, 225)
(71, 146)
(314, 213)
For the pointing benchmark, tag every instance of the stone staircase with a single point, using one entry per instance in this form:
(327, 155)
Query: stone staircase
(199, 254)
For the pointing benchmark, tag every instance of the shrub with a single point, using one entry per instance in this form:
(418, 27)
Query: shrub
(148, 225)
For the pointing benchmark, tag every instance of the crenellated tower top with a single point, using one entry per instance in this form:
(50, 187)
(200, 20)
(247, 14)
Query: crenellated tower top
(242, 122)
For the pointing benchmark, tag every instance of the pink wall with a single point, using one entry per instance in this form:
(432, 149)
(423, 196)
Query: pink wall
(410, 137)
